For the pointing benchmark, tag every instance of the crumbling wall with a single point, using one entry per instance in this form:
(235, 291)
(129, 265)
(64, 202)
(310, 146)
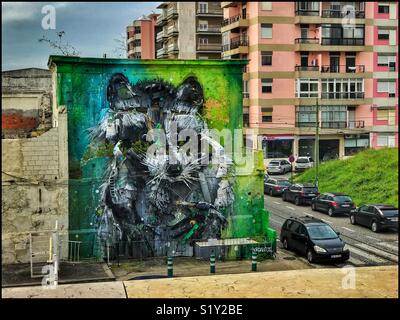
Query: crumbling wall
(34, 189)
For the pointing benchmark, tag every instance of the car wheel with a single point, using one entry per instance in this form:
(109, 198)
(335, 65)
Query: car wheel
(310, 256)
(285, 244)
(330, 212)
(271, 193)
(313, 208)
(353, 219)
(374, 226)
(297, 201)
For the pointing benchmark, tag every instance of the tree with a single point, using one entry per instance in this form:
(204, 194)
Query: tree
(65, 49)
(121, 47)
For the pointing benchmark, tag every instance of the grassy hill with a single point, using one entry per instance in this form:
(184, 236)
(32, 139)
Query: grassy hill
(370, 176)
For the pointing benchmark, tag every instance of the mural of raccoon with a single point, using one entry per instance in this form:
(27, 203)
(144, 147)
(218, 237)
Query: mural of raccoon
(173, 194)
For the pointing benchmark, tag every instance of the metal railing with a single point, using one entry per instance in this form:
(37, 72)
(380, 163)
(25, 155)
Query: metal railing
(216, 29)
(343, 68)
(341, 14)
(306, 68)
(343, 41)
(307, 40)
(171, 12)
(246, 95)
(305, 12)
(234, 19)
(235, 43)
(217, 12)
(359, 124)
(342, 95)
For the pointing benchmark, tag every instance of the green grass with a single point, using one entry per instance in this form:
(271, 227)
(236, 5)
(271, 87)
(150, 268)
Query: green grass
(371, 176)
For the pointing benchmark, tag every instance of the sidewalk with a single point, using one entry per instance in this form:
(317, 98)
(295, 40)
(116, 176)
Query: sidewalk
(370, 282)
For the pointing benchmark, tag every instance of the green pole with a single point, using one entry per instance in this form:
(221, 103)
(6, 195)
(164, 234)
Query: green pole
(212, 263)
(170, 267)
(254, 261)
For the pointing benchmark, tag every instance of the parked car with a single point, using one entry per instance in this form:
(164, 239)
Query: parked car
(303, 163)
(333, 203)
(276, 186)
(313, 238)
(376, 216)
(266, 177)
(300, 193)
(279, 166)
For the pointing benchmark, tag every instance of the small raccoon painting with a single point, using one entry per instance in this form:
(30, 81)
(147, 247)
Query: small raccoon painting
(155, 188)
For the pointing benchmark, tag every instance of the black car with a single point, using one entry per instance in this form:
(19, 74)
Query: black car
(313, 238)
(300, 193)
(333, 203)
(376, 216)
(276, 186)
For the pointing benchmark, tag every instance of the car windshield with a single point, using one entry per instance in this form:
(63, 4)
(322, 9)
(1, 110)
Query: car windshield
(341, 199)
(274, 163)
(304, 160)
(310, 189)
(321, 232)
(284, 183)
(390, 212)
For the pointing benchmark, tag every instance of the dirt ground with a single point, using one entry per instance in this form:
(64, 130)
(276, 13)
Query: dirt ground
(186, 266)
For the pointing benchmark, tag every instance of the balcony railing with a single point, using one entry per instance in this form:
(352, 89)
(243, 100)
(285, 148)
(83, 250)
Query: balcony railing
(343, 69)
(232, 20)
(161, 52)
(305, 12)
(307, 40)
(172, 29)
(172, 47)
(235, 43)
(216, 29)
(209, 47)
(306, 68)
(213, 12)
(171, 12)
(342, 95)
(246, 95)
(359, 124)
(342, 14)
(333, 124)
(343, 41)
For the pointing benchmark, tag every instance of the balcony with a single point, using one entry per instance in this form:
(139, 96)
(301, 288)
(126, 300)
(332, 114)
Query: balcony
(342, 41)
(308, 13)
(161, 20)
(172, 30)
(235, 43)
(359, 124)
(210, 12)
(171, 12)
(160, 35)
(343, 69)
(307, 40)
(234, 22)
(172, 47)
(342, 95)
(209, 29)
(162, 53)
(306, 68)
(213, 47)
(342, 14)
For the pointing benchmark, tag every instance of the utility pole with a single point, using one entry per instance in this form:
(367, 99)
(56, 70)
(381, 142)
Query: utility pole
(317, 143)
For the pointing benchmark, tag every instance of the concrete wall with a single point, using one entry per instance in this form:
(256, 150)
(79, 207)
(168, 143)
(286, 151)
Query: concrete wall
(187, 30)
(34, 189)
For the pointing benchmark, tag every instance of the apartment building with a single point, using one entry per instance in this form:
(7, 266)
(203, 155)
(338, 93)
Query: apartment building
(141, 38)
(189, 30)
(337, 58)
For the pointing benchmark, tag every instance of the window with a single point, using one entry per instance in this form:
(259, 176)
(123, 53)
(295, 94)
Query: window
(266, 114)
(342, 89)
(383, 8)
(266, 6)
(386, 140)
(383, 34)
(266, 31)
(266, 58)
(306, 88)
(355, 143)
(336, 34)
(137, 42)
(333, 116)
(386, 114)
(306, 116)
(387, 60)
(203, 40)
(266, 85)
(281, 147)
(203, 7)
(137, 30)
(386, 86)
(203, 25)
(304, 59)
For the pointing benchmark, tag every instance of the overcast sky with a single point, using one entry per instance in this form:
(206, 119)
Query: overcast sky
(90, 27)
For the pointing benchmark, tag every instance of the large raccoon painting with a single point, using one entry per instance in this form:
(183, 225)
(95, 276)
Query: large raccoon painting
(172, 194)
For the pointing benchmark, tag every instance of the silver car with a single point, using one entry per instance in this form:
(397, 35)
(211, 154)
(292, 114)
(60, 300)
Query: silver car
(303, 163)
(279, 166)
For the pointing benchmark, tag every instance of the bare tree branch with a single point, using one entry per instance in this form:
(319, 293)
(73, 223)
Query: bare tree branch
(64, 49)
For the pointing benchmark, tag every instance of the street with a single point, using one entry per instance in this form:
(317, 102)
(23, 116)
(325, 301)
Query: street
(366, 247)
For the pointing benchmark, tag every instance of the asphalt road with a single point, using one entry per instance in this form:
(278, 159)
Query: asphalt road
(366, 247)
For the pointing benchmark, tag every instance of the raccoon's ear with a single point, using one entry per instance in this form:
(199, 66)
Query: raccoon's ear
(191, 92)
(118, 88)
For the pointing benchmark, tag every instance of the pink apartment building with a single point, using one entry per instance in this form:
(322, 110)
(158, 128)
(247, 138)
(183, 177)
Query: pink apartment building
(141, 38)
(304, 54)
